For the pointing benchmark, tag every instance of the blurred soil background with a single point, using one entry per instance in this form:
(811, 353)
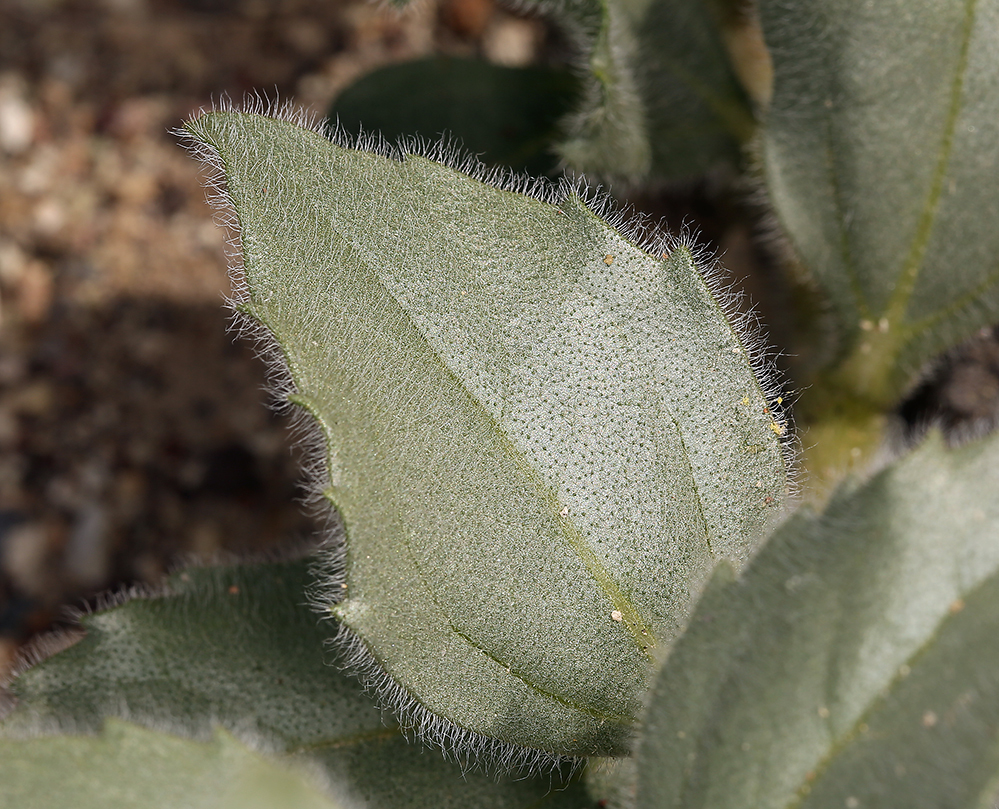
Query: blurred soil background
(134, 432)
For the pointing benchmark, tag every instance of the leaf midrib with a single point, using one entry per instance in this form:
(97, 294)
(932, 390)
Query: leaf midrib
(432, 593)
(912, 265)
(914, 262)
(878, 699)
(639, 630)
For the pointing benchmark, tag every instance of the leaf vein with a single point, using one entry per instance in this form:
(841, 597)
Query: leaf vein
(906, 283)
(637, 627)
(857, 727)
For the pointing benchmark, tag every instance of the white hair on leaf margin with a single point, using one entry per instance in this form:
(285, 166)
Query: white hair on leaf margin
(466, 747)
(329, 587)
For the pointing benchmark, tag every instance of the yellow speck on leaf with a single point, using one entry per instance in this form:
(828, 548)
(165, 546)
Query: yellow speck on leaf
(608, 259)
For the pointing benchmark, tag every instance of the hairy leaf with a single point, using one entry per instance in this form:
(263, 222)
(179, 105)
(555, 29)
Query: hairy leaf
(237, 647)
(854, 662)
(540, 437)
(130, 767)
(660, 100)
(507, 116)
(879, 146)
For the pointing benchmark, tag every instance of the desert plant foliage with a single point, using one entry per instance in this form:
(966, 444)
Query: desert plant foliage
(574, 556)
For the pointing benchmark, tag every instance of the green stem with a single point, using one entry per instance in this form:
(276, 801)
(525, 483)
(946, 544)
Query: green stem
(841, 425)
(843, 442)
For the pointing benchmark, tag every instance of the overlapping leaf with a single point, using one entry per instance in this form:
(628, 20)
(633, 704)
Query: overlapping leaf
(540, 437)
(234, 648)
(131, 767)
(661, 100)
(854, 664)
(507, 116)
(879, 148)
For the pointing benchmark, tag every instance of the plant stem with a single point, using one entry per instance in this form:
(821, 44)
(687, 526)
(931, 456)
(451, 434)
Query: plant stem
(842, 416)
(843, 442)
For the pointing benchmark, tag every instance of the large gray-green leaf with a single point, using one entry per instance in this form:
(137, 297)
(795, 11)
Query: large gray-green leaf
(854, 663)
(880, 147)
(237, 647)
(130, 767)
(540, 437)
(661, 101)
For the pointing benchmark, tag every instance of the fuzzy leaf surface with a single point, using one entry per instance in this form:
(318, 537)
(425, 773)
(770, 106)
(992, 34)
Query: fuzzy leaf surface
(540, 437)
(237, 648)
(661, 100)
(853, 664)
(131, 767)
(879, 148)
